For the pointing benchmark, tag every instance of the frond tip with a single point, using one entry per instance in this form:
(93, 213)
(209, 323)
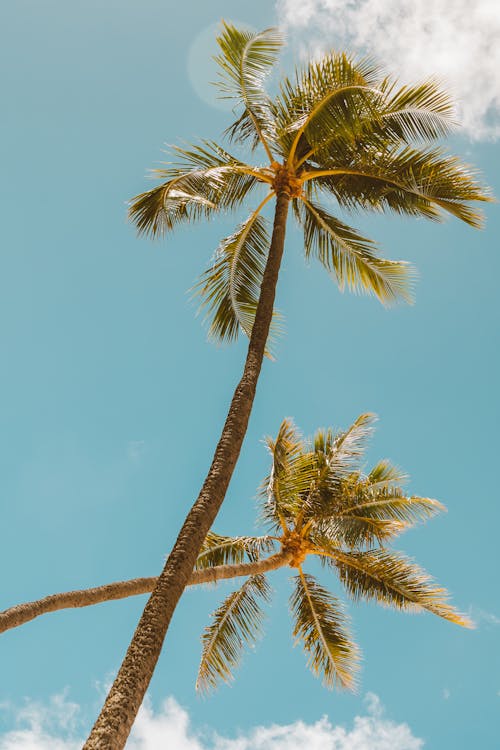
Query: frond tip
(237, 622)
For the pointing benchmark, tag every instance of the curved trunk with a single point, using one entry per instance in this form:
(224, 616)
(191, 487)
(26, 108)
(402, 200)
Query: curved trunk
(115, 721)
(22, 613)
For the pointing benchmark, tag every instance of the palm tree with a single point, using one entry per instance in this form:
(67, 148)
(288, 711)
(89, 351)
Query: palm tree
(339, 131)
(316, 502)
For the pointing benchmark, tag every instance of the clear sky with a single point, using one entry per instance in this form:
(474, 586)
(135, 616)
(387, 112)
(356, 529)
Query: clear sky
(112, 399)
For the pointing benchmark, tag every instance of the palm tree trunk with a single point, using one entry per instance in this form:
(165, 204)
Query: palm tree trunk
(115, 721)
(22, 613)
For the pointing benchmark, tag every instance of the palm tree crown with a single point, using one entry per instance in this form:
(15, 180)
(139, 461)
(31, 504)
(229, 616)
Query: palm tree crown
(339, 132)
(317, 502)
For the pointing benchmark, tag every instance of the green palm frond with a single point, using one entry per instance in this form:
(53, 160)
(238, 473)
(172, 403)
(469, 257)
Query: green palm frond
(230, 288)
(246, 59)
(393, 580)
(419, 112)
(322, 628)
(358, 517)
(388, 504)
(294, 470)
(374, 119)
(353, 532)
(204, 180)
(321, 84)
(351, 258)
(384, 475)
(236, 623)
(284, 450)
(182, 199)
(229, 179)
(310, 488)
(227, 550)
(416, 182)
(347, 447)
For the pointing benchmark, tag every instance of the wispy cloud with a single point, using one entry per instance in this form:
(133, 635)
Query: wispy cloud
(55, 727)
(455, 40)
(482, 617)
(136, 450)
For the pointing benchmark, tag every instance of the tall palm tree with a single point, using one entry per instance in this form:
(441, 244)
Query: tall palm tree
(340, 131)
(316, 502)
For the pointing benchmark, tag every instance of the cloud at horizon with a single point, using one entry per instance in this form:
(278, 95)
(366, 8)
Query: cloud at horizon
(57, 725)
(452, 40)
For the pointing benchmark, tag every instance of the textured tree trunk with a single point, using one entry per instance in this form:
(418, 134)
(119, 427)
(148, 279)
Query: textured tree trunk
(115, 721)
(22, 613)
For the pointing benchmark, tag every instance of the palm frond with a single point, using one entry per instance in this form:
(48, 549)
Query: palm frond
(389, 504)
(236, 623)
(347, 447)
(393, 580)
(375, 119)
(281, 488)
(324, 468)
(286, 448)
(384, 475)
(182, 199)
(230, 288)
(322, 84)
(416, 182)
(351, 258)
(322, 628)
(359, 516)
(418, 112)
(206, 179)
(227, 550)
(246, 59)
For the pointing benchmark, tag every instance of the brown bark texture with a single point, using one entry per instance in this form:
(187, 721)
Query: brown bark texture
(22, 613)
(115, 721)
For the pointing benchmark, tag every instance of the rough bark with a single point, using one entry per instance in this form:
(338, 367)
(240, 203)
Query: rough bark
(115, 721)
(22, 613)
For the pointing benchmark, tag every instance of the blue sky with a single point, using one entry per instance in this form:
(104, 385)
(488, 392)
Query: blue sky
(113, 399)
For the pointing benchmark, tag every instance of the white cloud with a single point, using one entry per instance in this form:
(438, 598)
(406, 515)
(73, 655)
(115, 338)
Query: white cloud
(482, 617)
(56, 726)
(455, 40)
(136, 450)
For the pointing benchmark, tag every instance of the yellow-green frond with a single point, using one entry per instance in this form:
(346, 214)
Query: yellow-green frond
(391, 579)
(384, 475)
(230, 288)
(245, 60)
(348, 446)
(164, 207)
(389, 504)
(294, 470)
(405, 181)
(236, 623)
(360, 517)
(351, 258)
(322, 627)
(424, 111)
(205, 179)
(226, 550)
(322, 83)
